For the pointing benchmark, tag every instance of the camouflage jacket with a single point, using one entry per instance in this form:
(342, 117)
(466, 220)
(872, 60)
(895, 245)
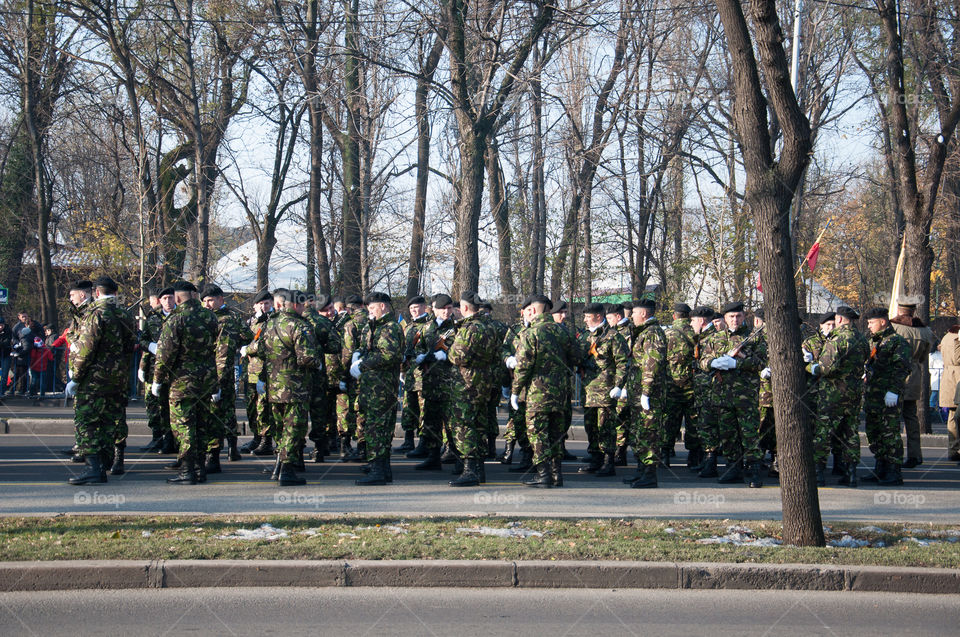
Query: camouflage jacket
(381, 355)
(105, 342)
(681, 341)
(233, 333)
(434, 337)
(888, 364)
(329, 346)
(606, 365)
(254, 364)
(750, 361)
(499, 372)
(150, 334)
(413, 380)
(474, 353)
(649, 369)
(508, 349)
(626, 331)
(841, 361)
(814, 344)
(76, 318)
(766, 384)
(186, 352)
(289, 353)
(546, 354)
(350, 332)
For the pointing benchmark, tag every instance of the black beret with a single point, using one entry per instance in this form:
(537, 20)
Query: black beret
(260, 298)
(82, 285)
(377, 297)
(733, 306)
(614, 308)
(847, 312)
(416, 299)
(681, 308)
(211, 290)
(594, 308)
(472, 298)
(827, 317)
(627, 306)
(759, 313)
(877, 313)
(441, 300)
(702, 311)
(184, 286)
(717, 316)
(321, 301)
(354, 299)
(165, 292)
(537, 298)
(646, 304)
(560, 307)
(106, 283)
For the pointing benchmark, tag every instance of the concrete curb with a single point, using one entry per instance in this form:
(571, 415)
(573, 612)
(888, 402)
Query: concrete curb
(136, 574)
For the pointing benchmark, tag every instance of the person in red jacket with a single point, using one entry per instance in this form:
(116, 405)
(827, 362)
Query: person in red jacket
(40, 358)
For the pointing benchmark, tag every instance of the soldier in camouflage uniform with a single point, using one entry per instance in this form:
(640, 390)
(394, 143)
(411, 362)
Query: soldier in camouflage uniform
(474, 352)
(289, 351)
(887, 369)
(647, 392)
(349, 420)
(158, 407)
(259, 417)
(705, 394)
(736, 356)
(516, 434)
(681, 341)
(839, 367)
(560, 315)
(546, 354)
(333, 363)
(328, 344)
(812, 346)
(411, 415)
(232, 333)
(500, 378)
(377, 368)
(100, 372)
(604, 376)
(186, 365)
(618, 318)
(768, 429)
(81, 297)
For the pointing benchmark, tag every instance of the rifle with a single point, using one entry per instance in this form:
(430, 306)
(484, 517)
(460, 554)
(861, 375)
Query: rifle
(739, 348)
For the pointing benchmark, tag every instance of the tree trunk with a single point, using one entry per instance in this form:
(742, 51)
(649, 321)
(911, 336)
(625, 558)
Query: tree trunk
(466, 258)
(350, 262)
(500, 210)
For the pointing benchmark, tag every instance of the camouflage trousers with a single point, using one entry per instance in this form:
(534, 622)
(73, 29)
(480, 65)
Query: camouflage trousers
(545, 432)
(223, 419)
(837, 429)
(191, 421)
(291, 419)
(259, 415)
(490, 413)
(319, 410)
(158, 410)
(600, 425)
(705, 408)
(679, 410)
(96, 417)
(378, 415)
(410, 412)
(647, 429)
(624, 421)
(883, 427)
(467, 415)
(435, 412)
(738, 424)
(121, 430)
(517, 426)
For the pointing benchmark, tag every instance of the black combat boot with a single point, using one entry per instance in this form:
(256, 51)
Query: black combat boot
(250, 446)
(695, 458)
(470, 477)
(265, 448)
(821, 474)
(491, 446)
(407, 443)
(556, 471)
(755, 475)
(169, 444)
(213, 462)
(593, 464)
(879, 471)
(188, 472)
(431, 462)
(608, 468)
(507, 456)
(733, 473)
(647, 479)
(117, 468)
(892, 476)
(421, 450)
(620, 458)
(543, 479)
(95, 473)
(709, 467)
(377, 475)
(289, 478)
(526, 461)
(838, 466)
(233, 454)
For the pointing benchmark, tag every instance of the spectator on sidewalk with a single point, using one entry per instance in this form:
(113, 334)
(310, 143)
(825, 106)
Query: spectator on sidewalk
(23, 333)
(950, 349)
(40, 358)
(6, 343)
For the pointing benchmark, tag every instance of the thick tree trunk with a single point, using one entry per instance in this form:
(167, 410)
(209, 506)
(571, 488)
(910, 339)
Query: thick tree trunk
(500, 210)
(466, 258)
(314, 216)
(350, 246)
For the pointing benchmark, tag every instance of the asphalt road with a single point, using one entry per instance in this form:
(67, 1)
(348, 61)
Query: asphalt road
(425, 611)
(33, 476)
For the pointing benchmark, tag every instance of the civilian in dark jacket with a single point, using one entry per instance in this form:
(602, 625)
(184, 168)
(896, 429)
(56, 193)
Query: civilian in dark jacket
(6, 342)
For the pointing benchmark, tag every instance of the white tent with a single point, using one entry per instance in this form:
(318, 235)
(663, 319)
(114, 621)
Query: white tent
(236, 271)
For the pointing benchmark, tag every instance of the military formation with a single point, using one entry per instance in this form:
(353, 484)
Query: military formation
(333, 372)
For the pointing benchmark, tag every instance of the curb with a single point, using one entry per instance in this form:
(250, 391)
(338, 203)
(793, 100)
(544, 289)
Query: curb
(139, 574)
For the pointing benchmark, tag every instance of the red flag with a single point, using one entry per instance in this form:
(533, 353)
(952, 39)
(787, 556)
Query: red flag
(759, 284)
(812, 255)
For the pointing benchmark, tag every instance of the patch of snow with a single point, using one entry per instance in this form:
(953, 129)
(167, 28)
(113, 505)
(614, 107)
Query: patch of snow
(265, 532)
(848, 542)
(510, 531)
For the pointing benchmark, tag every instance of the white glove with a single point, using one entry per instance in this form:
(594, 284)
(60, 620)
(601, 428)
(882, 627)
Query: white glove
(890, 399)
(74, 348)
(243, 351)
(69, 374)
(354, 357)
(645, 402)
(216, 397)
(70, 390)
(511, 362)
(153, 348)
(515, 402)
(402, 379)
(257, 312)
(141, 376)
(623, 394)
(807, 356)
(731, 362)
(355, 369)
(615, 392)
(261, 387)
(155, 389)
(765, 374)
(721, 362)
(420, 358)
(440, 355)
(505, 392)
(813, 369)
(343, 386)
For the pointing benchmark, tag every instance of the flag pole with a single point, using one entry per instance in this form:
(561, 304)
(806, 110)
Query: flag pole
(819, 236)
(897, 290)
